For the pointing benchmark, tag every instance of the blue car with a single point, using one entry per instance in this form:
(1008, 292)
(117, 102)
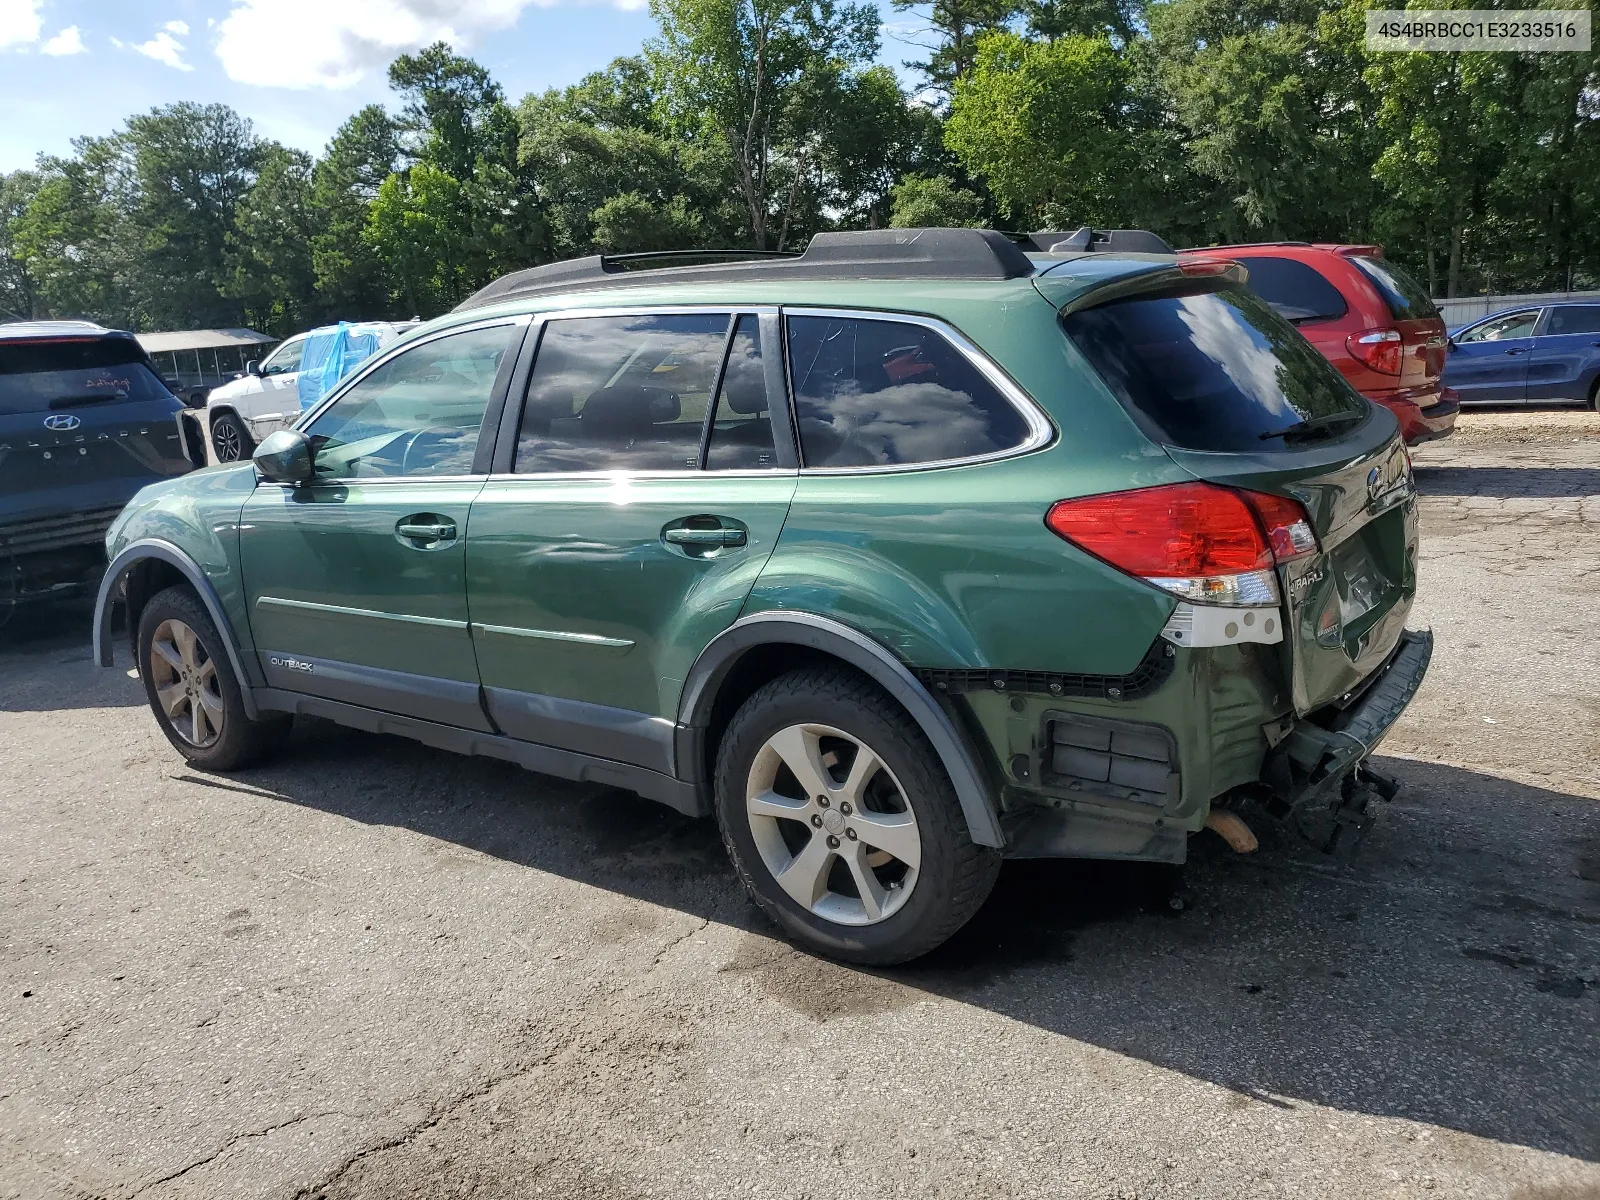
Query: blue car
(1535, 354)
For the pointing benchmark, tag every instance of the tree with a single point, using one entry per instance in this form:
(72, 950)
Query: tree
(611, 177)
(933, 201)
(1042, 122)
(955, 27)
(270, 246)
(19, 290)
(746, 73)
(461, 209)
(349, 274)
(189, 167)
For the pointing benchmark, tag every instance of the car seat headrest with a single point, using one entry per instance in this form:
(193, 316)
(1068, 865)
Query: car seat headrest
(628, 410)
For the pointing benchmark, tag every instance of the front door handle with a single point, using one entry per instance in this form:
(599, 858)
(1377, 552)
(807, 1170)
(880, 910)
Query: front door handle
(1519, 350)
(679, 535)
(427, 529)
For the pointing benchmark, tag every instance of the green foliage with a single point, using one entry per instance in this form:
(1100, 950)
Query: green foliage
(1041, 122)
(764, 80)
(933, 201)
(761, 122)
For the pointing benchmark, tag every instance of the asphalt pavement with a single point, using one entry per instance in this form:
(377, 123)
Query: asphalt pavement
(371, 969)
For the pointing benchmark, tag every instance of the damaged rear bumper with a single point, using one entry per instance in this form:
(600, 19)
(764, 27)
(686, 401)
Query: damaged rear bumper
(1314, 774)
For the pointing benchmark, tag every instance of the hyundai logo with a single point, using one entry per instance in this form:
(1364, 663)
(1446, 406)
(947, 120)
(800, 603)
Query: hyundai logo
(62, 422)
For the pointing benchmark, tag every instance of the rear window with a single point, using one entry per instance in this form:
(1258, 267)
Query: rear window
(61, 375)
(1296, 290)
(1407, 299)
(1213, 370)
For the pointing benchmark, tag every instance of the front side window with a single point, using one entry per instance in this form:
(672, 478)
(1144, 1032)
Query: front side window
(1512, 325)
(621, 393)
(1575, 318)
(1214, 370)
(285, 358)
(417, 414)
(871, 392)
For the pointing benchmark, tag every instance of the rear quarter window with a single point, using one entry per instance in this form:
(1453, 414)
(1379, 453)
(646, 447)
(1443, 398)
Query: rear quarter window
(1407, 300)
(1213, 370)
(1296, 290)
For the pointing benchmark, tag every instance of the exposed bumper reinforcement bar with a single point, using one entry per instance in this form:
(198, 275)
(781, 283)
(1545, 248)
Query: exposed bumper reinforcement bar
(1316, 774)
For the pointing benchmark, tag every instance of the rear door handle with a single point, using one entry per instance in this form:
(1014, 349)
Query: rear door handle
(1519, 350)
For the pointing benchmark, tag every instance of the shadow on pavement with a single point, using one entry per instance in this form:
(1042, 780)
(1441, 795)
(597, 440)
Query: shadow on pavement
(1448, 975)
(1502, 482)
(58, 635)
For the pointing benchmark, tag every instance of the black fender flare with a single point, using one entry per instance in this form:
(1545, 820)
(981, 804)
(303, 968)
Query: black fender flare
(953, 746)
(166, 552)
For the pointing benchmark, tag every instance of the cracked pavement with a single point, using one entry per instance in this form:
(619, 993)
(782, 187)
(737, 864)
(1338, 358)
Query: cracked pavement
(371, 969)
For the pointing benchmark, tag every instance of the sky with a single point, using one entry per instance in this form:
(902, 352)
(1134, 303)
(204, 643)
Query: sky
(295, 68)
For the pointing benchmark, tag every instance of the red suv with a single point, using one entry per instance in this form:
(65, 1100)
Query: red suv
(1367, 316)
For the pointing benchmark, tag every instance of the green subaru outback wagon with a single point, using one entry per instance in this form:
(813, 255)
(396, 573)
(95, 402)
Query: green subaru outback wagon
(916, 551)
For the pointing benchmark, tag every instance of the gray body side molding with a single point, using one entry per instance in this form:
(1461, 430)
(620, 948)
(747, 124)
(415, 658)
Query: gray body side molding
(955, 750)
(105, 602)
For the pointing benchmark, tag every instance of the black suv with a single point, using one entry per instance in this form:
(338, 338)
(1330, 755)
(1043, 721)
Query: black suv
(85, 422)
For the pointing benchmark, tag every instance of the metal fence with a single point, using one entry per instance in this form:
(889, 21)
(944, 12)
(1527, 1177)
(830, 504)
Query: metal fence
(1469, 308)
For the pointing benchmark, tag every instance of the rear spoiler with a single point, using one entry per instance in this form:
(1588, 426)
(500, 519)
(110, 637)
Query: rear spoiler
(1069, 290)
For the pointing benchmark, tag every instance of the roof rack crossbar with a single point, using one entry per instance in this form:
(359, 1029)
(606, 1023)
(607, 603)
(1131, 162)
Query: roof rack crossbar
(976, 254)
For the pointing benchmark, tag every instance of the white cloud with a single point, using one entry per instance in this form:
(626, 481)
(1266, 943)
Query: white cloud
(20, 22)
(265, 42)
(68, 41)
(177, 27)
(164, 48)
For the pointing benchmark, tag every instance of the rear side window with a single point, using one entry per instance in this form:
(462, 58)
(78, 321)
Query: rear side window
(623, 393)
(871, 393)
(1575, 318)
(1212, 370)
(57, 376)
(1407, 299)
(1295, 289)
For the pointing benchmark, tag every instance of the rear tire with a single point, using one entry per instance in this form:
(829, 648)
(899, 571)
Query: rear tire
(872, 862)
(192, 688)
(229, 438)
(1594, 397)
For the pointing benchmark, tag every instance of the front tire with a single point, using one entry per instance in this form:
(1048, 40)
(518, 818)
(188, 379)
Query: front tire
(192, 688)
(229, 438)
(842, 822)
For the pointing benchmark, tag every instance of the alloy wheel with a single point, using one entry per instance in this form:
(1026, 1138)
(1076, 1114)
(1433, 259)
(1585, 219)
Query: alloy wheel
(225, 437)
(833, 825)
(186, 683)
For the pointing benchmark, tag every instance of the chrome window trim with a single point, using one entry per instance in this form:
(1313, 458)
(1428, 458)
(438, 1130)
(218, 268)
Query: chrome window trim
(1041, 432)
(394, 351)
(655, 310)
(643, 476)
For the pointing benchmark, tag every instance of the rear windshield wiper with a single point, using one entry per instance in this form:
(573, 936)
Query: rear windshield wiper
(1310, 425)
(87, 398)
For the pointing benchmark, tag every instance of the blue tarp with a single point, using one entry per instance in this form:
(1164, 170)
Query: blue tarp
(331, 353)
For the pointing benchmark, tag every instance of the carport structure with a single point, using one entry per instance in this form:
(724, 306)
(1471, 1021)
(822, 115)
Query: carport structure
(201, 359)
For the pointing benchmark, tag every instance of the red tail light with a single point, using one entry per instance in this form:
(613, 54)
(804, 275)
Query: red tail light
(1380, 349)
(1198, 540)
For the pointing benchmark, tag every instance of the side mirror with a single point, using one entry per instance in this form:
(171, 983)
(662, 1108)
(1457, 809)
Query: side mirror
(253, 367)
(1450, 344)
(284, 457)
